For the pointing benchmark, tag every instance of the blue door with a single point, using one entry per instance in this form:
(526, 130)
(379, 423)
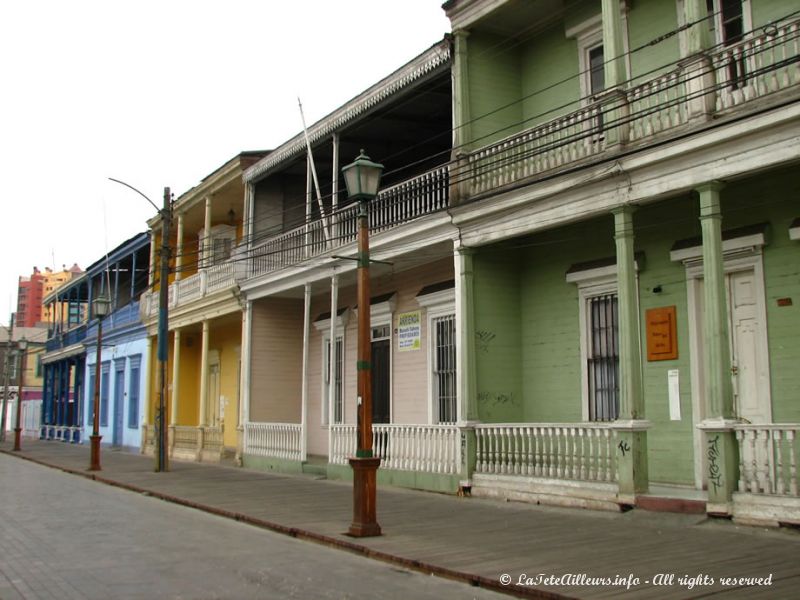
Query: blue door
(119, 403)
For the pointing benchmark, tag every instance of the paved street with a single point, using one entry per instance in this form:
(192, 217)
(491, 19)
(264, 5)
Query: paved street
(66, 537)
(472, 538)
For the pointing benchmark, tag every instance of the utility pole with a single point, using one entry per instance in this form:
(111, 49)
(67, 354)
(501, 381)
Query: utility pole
(163, 307)
(161, 421)
(6, 374)
(6, 377)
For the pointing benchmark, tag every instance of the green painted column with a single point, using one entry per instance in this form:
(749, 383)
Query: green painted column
(465, 335)
(616, 72)
(717, 363)
(630, 427)
(466, 386)
(722, 452)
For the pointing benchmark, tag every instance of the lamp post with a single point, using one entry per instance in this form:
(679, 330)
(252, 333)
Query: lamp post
(22, 346)
(100, 307)
(362, 178)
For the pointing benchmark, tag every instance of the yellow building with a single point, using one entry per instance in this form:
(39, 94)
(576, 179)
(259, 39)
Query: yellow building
(205, 318)
(51, 281)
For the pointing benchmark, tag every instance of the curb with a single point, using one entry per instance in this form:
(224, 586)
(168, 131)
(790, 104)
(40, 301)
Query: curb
(304, 534)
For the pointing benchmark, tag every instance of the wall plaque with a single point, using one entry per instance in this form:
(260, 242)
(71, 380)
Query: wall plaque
(662, 334)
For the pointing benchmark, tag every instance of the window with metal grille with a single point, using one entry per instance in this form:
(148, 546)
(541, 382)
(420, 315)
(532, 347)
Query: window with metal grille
(603, 358)
(444, 368)
(338, 393)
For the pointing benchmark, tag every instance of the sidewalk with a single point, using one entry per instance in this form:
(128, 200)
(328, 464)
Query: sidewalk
(482, 541)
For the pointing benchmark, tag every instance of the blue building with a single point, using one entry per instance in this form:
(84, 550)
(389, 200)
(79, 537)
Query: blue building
(71, 351)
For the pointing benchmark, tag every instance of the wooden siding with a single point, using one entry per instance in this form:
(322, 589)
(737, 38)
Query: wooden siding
(494, 82)
(409, 381)
(276, 360)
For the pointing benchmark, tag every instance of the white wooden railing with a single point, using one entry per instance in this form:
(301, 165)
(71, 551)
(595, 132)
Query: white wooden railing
(758, 65)
(220, 276)
(276, 440)
(394, 206)
(768, 458)
(544, 147)
(575, 451)
(208, 280)
(188, 289)
(766, 61)
(421, 448)
(657, 105)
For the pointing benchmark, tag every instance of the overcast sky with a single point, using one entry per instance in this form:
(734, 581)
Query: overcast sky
(160, 93)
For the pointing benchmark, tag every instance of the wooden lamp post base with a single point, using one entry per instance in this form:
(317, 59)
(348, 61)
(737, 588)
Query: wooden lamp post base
(365, 522)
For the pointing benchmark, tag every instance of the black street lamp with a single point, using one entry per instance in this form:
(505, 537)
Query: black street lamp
(362, 178)
(101, 306)
(22, 346)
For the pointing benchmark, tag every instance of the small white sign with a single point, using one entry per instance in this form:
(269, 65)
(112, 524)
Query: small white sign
(674, 387)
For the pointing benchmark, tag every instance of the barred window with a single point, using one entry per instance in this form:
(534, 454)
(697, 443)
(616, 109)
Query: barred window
(335, 380)
(444, 368)
(603, 358)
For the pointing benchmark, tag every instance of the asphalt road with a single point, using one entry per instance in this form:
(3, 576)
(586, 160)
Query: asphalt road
(66, 537)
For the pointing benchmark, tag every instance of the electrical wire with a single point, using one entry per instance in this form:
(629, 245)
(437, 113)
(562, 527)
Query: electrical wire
(257, 235)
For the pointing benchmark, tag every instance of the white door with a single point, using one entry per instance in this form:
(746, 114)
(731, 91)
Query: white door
(749, 355)
(749, 361)
(213, 417)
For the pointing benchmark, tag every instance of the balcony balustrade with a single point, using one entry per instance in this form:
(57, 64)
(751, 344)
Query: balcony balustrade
(566, 451)
(766, 62)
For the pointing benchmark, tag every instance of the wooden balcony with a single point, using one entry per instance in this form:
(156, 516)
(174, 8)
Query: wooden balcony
(394, 206)
(713, 86)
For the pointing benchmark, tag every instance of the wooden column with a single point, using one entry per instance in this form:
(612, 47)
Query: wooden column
(179, 250)
(204, 375)
(696, 38)
(630, 425)
(176, 369)
(304, 382)
(721, 449)
(206, 259)
(616, 72)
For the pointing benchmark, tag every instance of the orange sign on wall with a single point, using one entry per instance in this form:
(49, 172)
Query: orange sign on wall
(662, 334)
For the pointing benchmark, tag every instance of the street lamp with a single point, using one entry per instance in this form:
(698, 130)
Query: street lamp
(362, 178)
(163, 316)
(22, 346)
(101, 306)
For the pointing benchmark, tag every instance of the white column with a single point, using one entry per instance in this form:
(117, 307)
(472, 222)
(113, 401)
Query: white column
(206, 258)
(179, 250)
(304, 383)
(152, 273)
(335, 189)
(696, 38)
(613, 48)
(176, 368)
(244, 396)
(203, 376)
(332, 357)
(249, 210)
